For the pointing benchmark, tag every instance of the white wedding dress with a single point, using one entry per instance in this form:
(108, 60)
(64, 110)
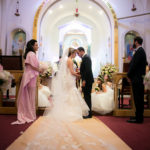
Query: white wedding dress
(57, 130)
(103, 103)
(68, 104)
(43, 96)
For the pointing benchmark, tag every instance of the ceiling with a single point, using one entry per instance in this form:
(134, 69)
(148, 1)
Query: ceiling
(122, 8)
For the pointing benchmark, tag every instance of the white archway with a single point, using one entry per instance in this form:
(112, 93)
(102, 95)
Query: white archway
(91, 14)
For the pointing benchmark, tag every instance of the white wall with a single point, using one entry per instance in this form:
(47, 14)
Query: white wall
(11, 22)
(4, 7)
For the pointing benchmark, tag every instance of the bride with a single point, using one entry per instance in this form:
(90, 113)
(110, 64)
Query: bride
(67, 101)
(57, 130)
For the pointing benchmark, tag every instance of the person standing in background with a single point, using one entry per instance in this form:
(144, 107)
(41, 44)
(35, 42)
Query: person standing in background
(27, 92)
(136, 73)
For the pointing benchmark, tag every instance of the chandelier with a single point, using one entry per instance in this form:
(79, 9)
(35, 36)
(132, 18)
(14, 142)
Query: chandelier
(133, 7)
(17, 9)
(76, 10)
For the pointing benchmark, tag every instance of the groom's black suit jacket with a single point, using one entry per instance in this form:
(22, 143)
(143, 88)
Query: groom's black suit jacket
(86, 69)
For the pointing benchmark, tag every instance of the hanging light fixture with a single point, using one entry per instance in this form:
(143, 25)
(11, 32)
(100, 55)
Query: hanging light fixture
(17, 9)
(133, 7)
(76, 10)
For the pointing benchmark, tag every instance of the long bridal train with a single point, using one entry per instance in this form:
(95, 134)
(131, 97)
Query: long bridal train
(48, 133)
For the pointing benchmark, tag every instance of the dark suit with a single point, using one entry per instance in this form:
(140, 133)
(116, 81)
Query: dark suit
(87, 76)
(136, 72)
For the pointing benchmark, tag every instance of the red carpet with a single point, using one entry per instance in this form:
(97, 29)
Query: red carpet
(8, 132)
(137, 136)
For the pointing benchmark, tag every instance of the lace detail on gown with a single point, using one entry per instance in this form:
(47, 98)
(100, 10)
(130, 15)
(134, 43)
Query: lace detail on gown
(64, 136)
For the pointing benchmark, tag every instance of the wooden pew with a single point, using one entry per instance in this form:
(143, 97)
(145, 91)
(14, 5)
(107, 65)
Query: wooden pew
(13, 64)
(122, 111)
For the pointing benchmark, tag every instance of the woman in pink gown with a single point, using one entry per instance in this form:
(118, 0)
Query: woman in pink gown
(26, 96)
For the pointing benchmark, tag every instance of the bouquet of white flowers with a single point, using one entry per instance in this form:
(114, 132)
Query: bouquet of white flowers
(147, 81)
(5, 79)
(47, 70)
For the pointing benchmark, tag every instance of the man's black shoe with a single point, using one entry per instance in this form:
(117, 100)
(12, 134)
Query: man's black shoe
(134, 121)
(86, 117)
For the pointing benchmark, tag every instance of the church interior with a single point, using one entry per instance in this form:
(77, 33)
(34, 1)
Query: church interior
(106, 29)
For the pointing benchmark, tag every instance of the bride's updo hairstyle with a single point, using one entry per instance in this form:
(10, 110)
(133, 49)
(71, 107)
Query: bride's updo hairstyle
(71, 51)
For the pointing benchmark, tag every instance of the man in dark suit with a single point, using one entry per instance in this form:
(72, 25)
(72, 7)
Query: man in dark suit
(136, 73)
(87, 78)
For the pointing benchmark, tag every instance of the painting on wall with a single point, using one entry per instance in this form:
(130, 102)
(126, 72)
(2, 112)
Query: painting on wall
(18, 43)
(129, 39)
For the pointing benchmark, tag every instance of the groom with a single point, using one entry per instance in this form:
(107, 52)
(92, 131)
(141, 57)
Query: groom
(87, 77)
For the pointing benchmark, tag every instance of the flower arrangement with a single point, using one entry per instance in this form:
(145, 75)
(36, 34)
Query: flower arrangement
(47, 70)
(147, 81)
(108, 70)
(5, 79)
(105, 75)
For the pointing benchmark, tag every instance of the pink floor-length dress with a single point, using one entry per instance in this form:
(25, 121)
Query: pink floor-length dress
(26, 95)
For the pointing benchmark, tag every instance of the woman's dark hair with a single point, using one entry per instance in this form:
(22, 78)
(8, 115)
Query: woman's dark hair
(100, 78)
(29, 47)
(100, 85)
(71, 51)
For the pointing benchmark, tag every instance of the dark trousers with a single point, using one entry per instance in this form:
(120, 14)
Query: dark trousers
(87, 96)
(138, 94)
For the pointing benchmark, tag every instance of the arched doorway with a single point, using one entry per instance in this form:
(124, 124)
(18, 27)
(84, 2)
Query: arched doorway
(102, 48)
(74, 34)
